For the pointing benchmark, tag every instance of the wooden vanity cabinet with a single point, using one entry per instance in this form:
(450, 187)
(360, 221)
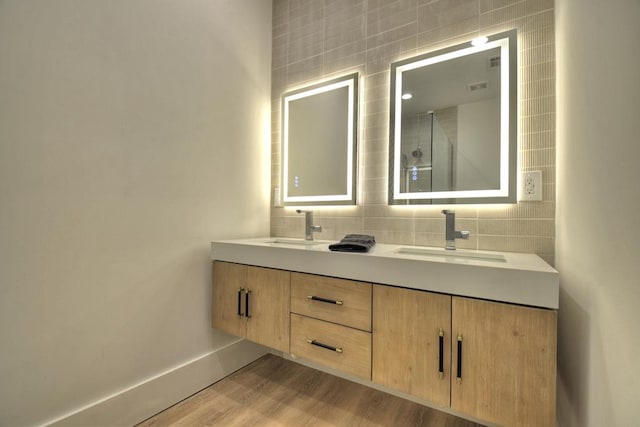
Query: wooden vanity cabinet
(493, 361)
(252, 302)
(508, 362)
(412, 342)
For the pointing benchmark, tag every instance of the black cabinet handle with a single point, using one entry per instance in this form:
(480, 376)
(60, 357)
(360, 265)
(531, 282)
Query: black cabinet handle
(240, 290)
(441, 353)
(459, 374)
(246, 303)
(329, 301)
(327, 346)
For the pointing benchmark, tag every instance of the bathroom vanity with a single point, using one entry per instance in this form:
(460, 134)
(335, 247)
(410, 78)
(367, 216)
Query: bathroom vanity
(471, 331)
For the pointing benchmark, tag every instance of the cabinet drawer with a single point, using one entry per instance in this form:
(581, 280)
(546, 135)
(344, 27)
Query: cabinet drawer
(345, 302)
(352, 352)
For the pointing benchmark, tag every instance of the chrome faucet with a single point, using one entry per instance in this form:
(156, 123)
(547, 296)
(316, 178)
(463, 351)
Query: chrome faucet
(309, 228)
(450, 231)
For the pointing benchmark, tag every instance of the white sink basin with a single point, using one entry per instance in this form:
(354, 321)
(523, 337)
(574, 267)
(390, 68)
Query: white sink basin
(295, 242)
(452, 255)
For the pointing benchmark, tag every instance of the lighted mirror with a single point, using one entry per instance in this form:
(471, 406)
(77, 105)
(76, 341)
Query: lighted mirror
(319, 135)
(453, 136)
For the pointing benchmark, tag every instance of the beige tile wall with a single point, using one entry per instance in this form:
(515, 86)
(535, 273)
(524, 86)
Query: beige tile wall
(318, 39)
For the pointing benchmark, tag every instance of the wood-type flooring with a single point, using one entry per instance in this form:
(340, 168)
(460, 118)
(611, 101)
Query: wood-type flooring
(273, 391)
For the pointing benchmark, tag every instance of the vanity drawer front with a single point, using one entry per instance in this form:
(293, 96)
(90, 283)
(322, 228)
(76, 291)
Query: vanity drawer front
(345, 302)
(339, 347)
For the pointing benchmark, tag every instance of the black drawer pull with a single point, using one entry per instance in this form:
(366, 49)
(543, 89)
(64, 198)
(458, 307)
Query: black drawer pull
(240, 301)
(327, 346)
(441, 353)
(246, 303)
(329, 301)
(459, 374)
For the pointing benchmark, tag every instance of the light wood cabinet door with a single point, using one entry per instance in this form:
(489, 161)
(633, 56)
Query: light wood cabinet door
(229, 280)
(407, 355)
(252, 302)
(508, 362)
(268, 309)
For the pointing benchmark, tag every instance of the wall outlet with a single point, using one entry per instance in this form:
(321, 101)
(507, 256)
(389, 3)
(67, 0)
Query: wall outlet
(531, 186)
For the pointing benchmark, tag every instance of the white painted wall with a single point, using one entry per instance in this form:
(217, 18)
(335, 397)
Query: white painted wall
(598, 211)
(132, 133)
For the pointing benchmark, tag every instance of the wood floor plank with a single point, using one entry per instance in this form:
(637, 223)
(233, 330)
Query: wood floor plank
(274, 391)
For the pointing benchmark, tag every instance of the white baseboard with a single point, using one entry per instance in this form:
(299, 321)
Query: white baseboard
(145, 399)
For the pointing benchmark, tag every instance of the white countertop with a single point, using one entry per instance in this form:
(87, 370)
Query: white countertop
(500, 276)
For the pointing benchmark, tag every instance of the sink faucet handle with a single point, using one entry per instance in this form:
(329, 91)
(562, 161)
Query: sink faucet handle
(451, 234)
(462, 235)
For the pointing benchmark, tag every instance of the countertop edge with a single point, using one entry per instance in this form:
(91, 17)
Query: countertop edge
(538, 288)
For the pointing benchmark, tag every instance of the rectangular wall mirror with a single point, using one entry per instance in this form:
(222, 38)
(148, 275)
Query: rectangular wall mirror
(453, 124)
(319, 143)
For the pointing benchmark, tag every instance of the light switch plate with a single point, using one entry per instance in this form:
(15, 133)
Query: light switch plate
(277, 198)
(531, 186)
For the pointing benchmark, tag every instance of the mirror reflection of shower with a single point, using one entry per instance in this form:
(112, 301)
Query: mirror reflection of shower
(426, 143)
